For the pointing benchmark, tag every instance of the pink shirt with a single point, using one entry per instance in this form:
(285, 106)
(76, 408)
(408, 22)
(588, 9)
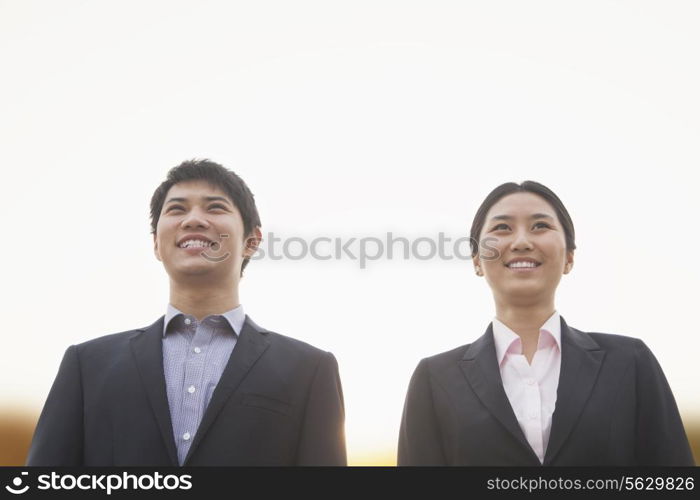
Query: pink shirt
(531, 388)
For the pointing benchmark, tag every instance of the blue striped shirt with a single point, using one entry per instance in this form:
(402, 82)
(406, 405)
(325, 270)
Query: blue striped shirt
(195, 354)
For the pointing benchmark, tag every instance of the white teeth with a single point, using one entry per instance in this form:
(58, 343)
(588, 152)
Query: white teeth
(194, 243)
(522, 264)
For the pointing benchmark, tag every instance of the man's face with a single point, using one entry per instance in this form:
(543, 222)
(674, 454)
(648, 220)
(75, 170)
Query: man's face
(523, 249)
(200, 233)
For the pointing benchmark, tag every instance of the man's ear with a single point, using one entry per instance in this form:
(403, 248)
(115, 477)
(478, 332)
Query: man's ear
(155, 248)
(569, 262)
(252, 242)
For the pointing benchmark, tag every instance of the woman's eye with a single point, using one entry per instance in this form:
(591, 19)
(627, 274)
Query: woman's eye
(217, 206)
(499, 226)
(542, 224)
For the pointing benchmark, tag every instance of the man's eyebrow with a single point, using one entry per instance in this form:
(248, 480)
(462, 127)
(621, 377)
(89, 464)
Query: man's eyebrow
(216, 198)
(533, 216)
(207, 198)
(172, 200)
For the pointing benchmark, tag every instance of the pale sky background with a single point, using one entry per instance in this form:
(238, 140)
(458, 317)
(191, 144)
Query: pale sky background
(349, 119)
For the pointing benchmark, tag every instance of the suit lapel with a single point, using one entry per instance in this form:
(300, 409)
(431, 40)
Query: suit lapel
(147, 348)
(480, 367)
(581, 358)
(251, 343)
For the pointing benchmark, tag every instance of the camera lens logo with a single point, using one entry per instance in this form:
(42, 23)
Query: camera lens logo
(17, 482)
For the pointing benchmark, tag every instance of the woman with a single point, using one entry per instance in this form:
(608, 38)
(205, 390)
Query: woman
(533, 390)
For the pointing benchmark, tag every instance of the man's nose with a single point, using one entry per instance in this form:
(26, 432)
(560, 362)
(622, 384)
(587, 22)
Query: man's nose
(194, 218)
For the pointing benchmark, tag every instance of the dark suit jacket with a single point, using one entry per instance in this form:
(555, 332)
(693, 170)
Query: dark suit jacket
(614, 407)
(278, 402)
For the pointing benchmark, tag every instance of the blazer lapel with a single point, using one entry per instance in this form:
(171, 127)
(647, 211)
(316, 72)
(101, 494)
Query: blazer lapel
(581, 358)
(251, 343)
(480, 367)
(147, 348)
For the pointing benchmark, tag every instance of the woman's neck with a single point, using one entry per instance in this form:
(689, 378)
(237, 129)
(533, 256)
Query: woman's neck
(525, 321)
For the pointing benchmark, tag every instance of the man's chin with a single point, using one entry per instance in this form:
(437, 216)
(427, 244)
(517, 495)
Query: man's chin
(202, 269)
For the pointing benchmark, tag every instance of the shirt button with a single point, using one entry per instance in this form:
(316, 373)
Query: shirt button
(188, 321)
(531, 381)
(191, 389)
(186, 436)
(197, 350)
(533, 416)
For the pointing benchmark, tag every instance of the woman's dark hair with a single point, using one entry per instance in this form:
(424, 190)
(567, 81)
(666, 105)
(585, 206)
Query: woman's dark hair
(528, 187)
(218, 176)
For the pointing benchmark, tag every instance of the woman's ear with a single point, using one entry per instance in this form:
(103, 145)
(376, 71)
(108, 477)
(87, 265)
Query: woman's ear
(477, 266)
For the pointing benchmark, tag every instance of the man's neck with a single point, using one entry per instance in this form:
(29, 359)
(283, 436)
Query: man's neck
(201, 302)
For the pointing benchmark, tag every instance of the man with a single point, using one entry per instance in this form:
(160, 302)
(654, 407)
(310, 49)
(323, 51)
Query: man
(203, 385)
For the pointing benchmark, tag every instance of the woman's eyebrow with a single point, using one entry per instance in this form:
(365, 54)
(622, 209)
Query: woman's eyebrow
(533, 216)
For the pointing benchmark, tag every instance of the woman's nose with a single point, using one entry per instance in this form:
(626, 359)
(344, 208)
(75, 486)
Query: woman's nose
(521, 242)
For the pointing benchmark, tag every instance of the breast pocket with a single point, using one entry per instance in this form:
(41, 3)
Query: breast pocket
(266, 403)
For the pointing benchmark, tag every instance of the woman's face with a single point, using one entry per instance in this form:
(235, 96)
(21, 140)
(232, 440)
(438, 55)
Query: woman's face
(522, 250)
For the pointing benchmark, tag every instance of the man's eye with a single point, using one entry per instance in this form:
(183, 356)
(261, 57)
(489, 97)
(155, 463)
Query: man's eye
(178, 207)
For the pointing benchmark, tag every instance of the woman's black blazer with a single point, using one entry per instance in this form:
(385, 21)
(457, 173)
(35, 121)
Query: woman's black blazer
(614, 407)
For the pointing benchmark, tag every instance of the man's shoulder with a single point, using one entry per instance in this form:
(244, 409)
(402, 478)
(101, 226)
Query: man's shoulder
(285, 344)
(112, 341)
(293, 345)
(289, 345)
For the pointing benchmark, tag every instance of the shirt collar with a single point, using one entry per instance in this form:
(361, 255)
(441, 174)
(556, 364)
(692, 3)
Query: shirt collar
(235, 318)
(507, 340)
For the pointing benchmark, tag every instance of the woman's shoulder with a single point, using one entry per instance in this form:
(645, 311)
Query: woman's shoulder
(612, 340)
(454, 354)
(615, 343)
(446, 360)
